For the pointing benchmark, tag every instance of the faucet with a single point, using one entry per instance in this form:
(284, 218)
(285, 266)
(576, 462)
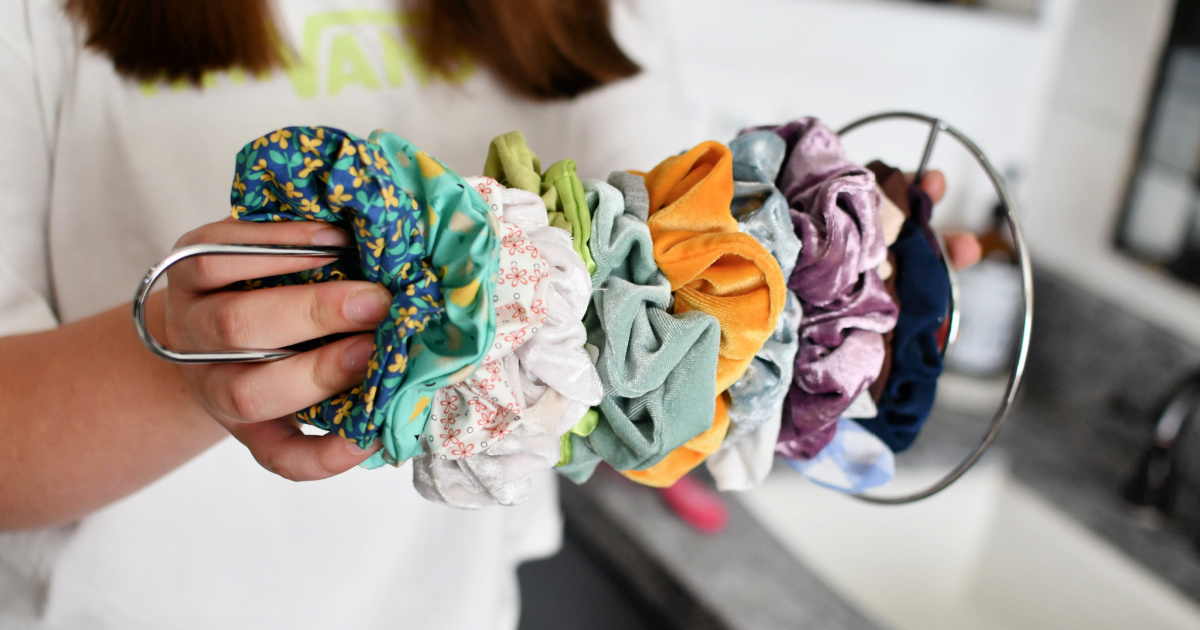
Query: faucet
(1155, 482)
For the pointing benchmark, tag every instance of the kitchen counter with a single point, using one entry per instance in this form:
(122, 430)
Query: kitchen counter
(1074, 437)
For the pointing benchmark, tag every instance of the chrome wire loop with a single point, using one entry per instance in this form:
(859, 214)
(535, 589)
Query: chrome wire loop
(218, 249)
(936, 128)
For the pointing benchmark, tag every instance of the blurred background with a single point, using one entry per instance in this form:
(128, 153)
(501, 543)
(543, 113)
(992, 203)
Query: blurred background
(1087, 511)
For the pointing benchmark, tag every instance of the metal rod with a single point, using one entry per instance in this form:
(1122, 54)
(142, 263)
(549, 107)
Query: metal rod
(953, 311)
(1022, 252)
(934, 128)
(218, 249)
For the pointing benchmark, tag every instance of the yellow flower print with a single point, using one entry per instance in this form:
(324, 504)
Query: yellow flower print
(310, 206)
(404, 271)
(309, 144)
(369, 399)
(359, 176)
(260, 143)
(290, 190)
(238, 184)
(361, 224)
(411, 290)
(310, 165)
(381, 163)
(405, 317)
(362, 155)
(376, 247)
(399, 363)
(347, 148)
(342, 413)
(339, 196)
(372, 366)
(389, 197)
(269, 194)
(238, 211)
(281, 137)
(260, 165)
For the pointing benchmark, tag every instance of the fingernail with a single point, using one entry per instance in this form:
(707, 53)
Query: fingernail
(354, 449)
(331, 236)
(368, 306)
(357, 355)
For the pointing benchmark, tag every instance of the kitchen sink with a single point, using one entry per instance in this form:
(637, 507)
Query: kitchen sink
(987, 554)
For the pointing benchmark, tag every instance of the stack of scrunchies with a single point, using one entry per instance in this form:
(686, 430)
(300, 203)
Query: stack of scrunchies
(734, 303)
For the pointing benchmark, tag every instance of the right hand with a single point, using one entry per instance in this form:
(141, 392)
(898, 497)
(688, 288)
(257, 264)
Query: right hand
(255, 401)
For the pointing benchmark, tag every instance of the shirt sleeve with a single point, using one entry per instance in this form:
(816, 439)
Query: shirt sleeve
(33, 39)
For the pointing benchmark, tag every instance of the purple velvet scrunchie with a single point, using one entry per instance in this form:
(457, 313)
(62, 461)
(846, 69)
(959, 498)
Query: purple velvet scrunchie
(835, 213)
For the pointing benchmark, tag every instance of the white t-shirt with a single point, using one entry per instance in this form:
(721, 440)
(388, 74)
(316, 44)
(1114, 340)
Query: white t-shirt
(101, 175)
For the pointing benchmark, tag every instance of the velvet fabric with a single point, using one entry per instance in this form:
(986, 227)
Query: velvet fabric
(876, 388)
(323, 174)
(854, 461)
(461, 237)
(756, 399)
(715, 269)
(658, 369)
(911, 200)
(835, 213)
(557, 383)
(923, 289)
(514, 164)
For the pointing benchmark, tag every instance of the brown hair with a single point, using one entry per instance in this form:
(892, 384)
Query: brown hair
(541, 49)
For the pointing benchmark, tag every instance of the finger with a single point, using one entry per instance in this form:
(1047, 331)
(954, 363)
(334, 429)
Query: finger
(282, 316)
(282, 448)
(265, 391)
(934, 185)
(964, 249)
(206, 273)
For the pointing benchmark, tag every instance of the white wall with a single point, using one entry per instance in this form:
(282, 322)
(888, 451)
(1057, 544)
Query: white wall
(989, 73)
(1059, 96)
(1094, 122)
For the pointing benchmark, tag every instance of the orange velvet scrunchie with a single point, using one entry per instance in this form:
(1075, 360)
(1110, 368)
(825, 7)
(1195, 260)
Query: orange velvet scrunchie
(714, 269)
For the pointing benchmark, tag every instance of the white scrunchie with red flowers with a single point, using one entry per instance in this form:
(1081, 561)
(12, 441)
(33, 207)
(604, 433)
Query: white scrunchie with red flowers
(470, 416)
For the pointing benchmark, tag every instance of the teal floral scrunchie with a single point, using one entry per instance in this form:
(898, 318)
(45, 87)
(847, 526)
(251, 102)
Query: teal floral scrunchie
(461, 236)
(324, 174)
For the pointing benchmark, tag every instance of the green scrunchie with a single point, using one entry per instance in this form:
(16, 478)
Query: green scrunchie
(511, 162)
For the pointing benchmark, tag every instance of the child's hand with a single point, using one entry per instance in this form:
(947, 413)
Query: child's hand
(255, 401)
